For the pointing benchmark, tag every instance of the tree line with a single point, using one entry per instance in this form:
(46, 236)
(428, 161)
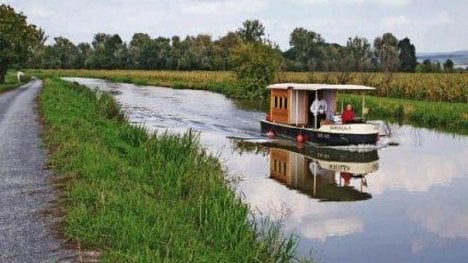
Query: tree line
(308, 52)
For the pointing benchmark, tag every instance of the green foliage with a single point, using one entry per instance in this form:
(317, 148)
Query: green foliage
(386, 51)
(429, 67)
(145, 198)
(252, 31)
(11, 82)
(448, 65)
(17, 38)
(256, 67)
(407, 56)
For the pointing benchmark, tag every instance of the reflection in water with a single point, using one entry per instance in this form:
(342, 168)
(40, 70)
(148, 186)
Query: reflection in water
(323, 180)
(415, 207)
(321, 173)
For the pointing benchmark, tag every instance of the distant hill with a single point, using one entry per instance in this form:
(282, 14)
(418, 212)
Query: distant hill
(459, 58)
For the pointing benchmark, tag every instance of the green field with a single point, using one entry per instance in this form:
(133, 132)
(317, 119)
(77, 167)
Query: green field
(145, 198)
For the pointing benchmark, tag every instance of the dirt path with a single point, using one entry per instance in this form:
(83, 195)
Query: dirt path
(24, 185)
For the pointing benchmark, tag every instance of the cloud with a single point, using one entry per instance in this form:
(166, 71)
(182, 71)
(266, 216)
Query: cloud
(395, 3)
(329, 227)
(226, 7)
(444, 220)
(396, 21)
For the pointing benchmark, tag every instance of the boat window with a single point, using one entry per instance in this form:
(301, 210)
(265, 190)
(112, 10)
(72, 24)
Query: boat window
(276, 102)
(280, 102)
(286, 103)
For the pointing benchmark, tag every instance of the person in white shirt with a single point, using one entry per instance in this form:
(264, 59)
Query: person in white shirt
(319, 109)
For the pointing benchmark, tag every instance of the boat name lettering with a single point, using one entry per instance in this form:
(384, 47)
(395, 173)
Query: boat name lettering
(339, 167)
(340, 127)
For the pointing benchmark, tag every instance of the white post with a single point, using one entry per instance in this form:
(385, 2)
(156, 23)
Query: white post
(316, 111)
(315, 177)
(363, 103)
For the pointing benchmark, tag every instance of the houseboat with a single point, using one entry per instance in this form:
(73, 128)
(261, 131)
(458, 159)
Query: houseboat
(289, 115)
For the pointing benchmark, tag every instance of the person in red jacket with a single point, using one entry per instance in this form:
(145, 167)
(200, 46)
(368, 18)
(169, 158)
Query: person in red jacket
(348, 115)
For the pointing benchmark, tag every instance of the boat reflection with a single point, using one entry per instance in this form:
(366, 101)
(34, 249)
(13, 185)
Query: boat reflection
(325, 174)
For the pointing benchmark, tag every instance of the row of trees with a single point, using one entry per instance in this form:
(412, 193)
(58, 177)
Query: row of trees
(308, 52)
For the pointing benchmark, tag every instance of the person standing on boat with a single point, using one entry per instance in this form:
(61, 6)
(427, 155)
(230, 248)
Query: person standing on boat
(319, 109)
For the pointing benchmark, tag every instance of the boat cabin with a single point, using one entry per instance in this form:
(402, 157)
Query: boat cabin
(290, 102)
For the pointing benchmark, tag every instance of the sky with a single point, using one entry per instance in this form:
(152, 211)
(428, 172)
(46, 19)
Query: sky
(432, 25)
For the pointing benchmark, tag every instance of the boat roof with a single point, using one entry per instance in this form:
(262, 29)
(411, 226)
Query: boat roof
(313, 87)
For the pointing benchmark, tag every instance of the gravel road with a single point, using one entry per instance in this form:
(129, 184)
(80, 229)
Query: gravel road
(24, 187)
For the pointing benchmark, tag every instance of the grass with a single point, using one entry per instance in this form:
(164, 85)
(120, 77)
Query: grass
(441, 115)
(145, 198)
(444, 116)
(10, 83)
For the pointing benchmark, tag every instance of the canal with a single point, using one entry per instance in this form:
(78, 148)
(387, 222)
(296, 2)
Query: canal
(404, 203)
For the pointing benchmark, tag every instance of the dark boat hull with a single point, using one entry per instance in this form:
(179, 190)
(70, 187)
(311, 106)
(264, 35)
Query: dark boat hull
(316, 136)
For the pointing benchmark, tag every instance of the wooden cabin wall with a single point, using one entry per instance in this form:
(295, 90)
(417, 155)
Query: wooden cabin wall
(279, 106)
(302, 107)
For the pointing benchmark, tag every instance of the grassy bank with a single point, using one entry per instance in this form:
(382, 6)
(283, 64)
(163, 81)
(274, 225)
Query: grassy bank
(449, 117)
(144, 198)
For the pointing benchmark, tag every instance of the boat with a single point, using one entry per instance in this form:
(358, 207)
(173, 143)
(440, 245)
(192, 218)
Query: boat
(289, 115)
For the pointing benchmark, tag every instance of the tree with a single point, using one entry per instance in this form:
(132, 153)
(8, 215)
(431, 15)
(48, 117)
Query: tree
(223, 49)
(256, 65)
(66, 52)
(108, 51)
(448, 65)
(407, 55)
(386, 52)
(252, 31)
(84, 51)
(360, 52)
(307, 49)
(17, 39)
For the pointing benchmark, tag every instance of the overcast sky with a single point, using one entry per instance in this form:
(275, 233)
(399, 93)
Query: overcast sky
(432, 25)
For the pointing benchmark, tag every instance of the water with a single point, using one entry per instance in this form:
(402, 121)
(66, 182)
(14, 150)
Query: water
(405, 203)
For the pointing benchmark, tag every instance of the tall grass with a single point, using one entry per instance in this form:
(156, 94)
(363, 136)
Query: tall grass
(449, 117)
(145, 198)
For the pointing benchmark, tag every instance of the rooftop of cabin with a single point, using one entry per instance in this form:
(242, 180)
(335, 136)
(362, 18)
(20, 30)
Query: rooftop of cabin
(316, 86)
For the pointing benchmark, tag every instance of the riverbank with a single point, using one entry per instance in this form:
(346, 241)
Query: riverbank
(139, 197)
(443, 116)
